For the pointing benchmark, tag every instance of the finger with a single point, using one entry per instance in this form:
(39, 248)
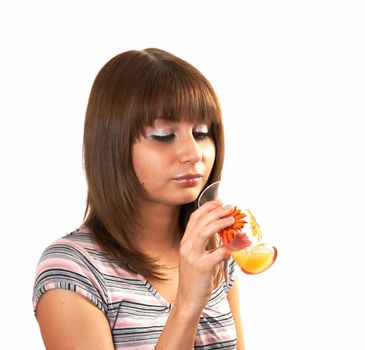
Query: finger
(218, 255)
(201, 239)
(209, 215)
(217, 226)
(207, 207)
(195, 219)
(216, 214)
(202, 226)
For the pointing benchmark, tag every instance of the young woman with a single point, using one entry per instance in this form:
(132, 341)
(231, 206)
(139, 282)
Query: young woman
(144, 271)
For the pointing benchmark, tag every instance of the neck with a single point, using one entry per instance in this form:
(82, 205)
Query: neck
(158, 229)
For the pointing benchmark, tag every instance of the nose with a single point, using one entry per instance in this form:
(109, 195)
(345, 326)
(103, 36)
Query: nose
(189, 150)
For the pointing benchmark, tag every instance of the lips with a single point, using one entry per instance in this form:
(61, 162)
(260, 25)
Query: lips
(188, 176)
(188, 179)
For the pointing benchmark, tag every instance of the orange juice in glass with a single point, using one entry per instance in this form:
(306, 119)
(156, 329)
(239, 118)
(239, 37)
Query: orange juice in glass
(256, 259)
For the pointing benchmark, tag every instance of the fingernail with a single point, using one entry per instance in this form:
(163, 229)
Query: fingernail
(230, 219)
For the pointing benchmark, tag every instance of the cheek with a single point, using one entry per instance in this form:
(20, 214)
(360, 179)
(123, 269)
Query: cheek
(209, 155)
(138, 162)
(145, 163)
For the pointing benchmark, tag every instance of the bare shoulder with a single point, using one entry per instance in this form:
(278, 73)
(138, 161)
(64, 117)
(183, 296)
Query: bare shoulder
(67, 320)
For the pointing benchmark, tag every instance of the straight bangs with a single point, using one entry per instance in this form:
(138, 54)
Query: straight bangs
(176, 94)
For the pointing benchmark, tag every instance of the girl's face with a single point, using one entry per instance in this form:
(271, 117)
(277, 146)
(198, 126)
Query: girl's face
(173, 161)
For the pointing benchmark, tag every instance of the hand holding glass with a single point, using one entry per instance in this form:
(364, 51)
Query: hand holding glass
(243, 238)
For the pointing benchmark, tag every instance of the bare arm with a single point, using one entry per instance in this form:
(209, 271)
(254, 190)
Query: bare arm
(68, 321)
(234, 303)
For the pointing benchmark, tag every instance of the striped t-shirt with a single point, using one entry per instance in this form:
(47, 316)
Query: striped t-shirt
(136, 312)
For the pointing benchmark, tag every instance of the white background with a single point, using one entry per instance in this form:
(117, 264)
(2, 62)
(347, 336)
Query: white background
(291, 79)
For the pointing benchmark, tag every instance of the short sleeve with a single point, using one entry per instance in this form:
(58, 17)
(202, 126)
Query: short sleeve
(65, 264)
(231, 274)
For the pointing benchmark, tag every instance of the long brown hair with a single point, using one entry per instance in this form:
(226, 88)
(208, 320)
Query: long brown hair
(128, 94)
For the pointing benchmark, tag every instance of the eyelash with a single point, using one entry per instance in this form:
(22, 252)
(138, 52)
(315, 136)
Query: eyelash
(198, 135)
(163, 138)
(167, 138)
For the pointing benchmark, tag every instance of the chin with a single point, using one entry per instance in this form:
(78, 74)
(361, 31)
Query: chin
(187, 202)
(189, 197)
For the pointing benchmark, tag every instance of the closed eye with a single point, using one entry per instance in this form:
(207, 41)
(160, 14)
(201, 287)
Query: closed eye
(198, 135)
(163, 138)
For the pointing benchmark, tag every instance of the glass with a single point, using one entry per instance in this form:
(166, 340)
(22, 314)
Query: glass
(244, 237)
